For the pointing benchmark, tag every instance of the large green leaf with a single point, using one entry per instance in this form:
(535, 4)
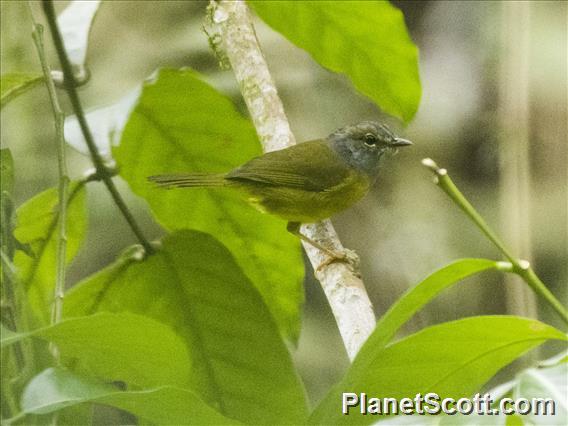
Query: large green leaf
(418, 296)
(54, 389)
(240, 363)
(365, 40)
(37, 230)
(181, 124)
(14, 84)
(126, 347)
(452, 359)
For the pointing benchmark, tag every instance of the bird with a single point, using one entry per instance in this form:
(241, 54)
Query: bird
(307, 182)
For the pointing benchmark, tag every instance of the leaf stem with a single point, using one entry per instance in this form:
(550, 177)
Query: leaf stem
(521, 268)
(70, 86)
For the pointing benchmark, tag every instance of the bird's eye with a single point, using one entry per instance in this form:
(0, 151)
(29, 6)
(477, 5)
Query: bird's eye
(370, 139)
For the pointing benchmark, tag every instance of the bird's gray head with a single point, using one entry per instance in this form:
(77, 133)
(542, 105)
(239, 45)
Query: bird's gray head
(362, 145)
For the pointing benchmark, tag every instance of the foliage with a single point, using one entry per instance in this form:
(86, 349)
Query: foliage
(185, 285)
(36, 231)
(55, 389)
(166, 134)
(547, 381)
(195, 331)
(115, 347)
(367, 41)
(415, 298)
(453, 359)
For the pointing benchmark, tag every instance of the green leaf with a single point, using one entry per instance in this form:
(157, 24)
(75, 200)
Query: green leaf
(239, 361)
(181, 124)
(118, 347)
(54, 389)
(415, 298)
(537, 385)
(14, 84)
(453, 359)
(37, 230)
(365, 40)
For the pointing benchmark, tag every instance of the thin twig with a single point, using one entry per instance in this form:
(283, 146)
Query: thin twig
(10, 319)
(232, 32)
(10, 300)
(520, 267)
(14, 314)
(69, 84)
(59, 118)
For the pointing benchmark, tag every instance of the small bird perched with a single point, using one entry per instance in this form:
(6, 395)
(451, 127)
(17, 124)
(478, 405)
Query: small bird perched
(307, 182)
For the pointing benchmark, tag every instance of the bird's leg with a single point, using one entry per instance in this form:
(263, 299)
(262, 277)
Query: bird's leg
(294, 228)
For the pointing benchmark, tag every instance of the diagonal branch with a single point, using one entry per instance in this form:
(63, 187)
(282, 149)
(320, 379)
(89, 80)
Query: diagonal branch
(520, 267)
(233, 35)
(70, 83)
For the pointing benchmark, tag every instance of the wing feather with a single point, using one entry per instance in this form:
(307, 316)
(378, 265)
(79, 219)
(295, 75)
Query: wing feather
(312, 166)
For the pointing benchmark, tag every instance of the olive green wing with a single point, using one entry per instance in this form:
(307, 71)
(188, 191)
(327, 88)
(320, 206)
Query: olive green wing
(311, 166)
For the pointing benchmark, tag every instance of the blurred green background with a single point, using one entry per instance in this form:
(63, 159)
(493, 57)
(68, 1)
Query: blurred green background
(406, 228)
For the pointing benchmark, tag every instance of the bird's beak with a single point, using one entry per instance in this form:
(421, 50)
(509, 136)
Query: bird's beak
(398, 142)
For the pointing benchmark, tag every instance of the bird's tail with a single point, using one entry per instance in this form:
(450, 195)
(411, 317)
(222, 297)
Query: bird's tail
(189, 180)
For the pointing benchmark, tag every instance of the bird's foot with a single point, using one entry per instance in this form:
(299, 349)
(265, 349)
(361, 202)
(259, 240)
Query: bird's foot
(345, 256)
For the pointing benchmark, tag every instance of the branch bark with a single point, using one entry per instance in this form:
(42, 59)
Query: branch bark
(232, 34)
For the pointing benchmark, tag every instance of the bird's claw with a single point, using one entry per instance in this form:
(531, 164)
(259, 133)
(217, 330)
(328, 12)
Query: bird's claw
(345, 255)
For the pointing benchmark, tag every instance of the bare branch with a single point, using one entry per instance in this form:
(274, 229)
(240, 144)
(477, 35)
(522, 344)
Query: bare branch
(231, 32)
